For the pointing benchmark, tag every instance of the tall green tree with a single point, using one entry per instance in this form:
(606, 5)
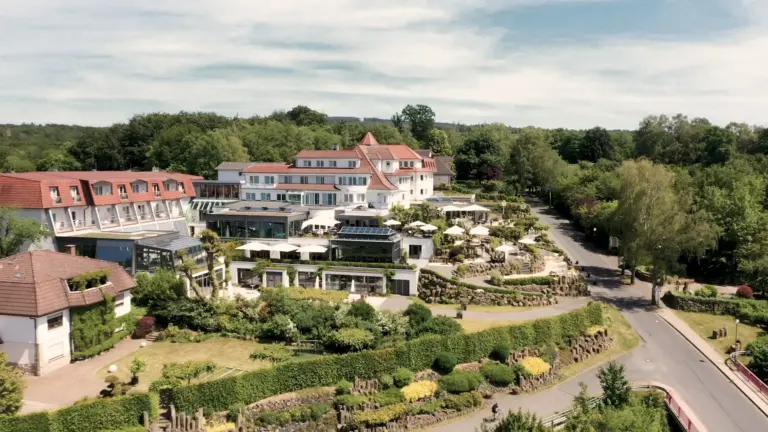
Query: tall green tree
(304, 116)
(481, 155)
(420, 120)
(595, 145)
(11, 387)
(655, 224)
(16, 232)
(206, 151)
(616, 388)
(518, 422)
(438, 142)
(719, 145)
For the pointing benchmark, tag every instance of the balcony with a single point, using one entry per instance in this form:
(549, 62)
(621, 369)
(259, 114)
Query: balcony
(161, 215)
(56, 199)
(62, 226)
(77, 198)
(123, 196)
(157, 193)
(144, 216)
(109, 221)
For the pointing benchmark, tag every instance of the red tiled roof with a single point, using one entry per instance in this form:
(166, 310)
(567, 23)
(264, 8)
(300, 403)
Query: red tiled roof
(312, 186)
(35, 283)
(290, 169)
(32, 190)
(391, 152)
(327, 154)
(368, 140)
(378, 181)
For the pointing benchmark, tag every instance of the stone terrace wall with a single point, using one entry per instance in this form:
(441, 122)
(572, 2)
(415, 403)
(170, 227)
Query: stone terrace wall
(436, 289)
(569, 285)
(506, 268)
(295, 401)
(590, 345)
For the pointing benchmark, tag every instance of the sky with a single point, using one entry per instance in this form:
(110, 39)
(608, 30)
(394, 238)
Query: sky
(547, 63)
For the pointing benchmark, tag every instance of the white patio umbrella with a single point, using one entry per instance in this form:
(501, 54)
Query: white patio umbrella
(312, 249)
(415, 224)
(284, 247)
(450, 208)
(428, 228)
(527, 240)
(479, 231)
(255, 247)
(455, 230)
(506, 248)
(474, 208)
(391, 222)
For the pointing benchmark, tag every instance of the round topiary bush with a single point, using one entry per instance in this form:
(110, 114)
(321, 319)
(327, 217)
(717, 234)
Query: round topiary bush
(444, 363)
(343, 387)
(386, 381)
(500, 353)
(361, 309)
(417, 314)
(460, 381)
(744, 291)
(707, 291)
(498, 374)
(402, 377)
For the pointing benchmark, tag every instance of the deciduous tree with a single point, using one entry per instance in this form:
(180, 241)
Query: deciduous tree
(16, 232)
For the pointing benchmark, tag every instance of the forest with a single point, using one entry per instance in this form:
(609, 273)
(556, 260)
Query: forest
(707, 212)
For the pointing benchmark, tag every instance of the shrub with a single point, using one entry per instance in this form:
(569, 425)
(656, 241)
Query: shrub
(344, 387)
(498, 374)
(593, 330)
(349, 400)
(460, 258)
(234, 410)
(350, 339)
(299, 293)
(11, 387)
(461, 402)
(429, 407)
(460, 381)
(165, 383)
(440, 325)
(444, 363)
(144, 326)
(402, 377)
(707, 291)
(273, 353)
(363, 310)
(744, 291)
(381, 416)
(388, 397)
(535, 365)
(419, 390)
(532, 280)
(759, 352)
(188, 370)
(280, 327)
(500, 353)
(496, 278)
(417, 314)
(386, 381)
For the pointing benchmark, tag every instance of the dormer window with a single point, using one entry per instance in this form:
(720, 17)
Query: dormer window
(123, 191)
(75, 194)
(171, 186)
(353, 164)
(139, 187)
(55, 195)
(156, 189)
(307, 163)
(88, 280)
(102, 189)
(332, 164)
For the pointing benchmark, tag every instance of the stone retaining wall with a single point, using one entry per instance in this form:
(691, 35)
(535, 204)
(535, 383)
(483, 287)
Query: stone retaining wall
(568, 285)
(590, 345)
(295, 401)
(435, 289)
(479, 269)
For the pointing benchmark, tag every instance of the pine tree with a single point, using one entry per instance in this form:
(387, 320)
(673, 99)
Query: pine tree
(616, 387)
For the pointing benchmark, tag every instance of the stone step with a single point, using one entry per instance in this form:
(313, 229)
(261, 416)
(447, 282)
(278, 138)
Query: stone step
(152, 336)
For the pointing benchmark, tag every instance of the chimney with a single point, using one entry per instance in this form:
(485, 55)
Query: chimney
(335, 147)
(70, 249)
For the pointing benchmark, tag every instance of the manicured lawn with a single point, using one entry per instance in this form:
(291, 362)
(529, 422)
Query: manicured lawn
(474, 325)
(225, 352)
(475, 308)
(703, 324)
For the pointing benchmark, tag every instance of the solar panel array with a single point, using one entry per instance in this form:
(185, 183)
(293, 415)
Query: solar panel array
(367, 231)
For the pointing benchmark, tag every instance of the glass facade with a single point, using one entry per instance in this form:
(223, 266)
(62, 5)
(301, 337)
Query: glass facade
(212, 190)
(365, 251)
(369, 284)
(306, 279)
(244, 229)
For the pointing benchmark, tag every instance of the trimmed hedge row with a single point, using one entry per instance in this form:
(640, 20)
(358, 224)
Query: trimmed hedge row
(102, 414)
(394, 266)
(417, 354)
(532, 280)
(749, 311)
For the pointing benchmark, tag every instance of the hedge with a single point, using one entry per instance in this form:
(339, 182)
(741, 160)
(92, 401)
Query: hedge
(749, 311)
(418, 354)
(394, 266)
(102, 414)
(532, 280)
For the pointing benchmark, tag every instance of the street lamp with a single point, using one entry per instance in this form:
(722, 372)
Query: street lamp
(737, 332)
(594, 231)
(503, 207)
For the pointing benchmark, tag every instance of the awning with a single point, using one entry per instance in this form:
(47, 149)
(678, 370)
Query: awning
(428, 228)
(391, 222)
(312, 249)
(455, 230)
(479, 231)
(284, 247)
(475, 207)
(415, 224)
(326, 222)
(255, 247)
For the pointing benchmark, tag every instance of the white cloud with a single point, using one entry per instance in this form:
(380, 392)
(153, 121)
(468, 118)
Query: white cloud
(89, 62)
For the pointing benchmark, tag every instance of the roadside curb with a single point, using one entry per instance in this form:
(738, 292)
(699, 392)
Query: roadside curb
(707, 351)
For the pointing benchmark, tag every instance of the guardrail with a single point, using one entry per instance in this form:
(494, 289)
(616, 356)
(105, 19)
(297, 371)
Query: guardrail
(747, 376)
(678, 412)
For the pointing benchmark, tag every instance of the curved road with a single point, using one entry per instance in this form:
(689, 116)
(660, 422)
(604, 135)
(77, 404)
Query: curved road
(664, 355)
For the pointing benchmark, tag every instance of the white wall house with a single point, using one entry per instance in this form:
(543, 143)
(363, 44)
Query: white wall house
(36, 305)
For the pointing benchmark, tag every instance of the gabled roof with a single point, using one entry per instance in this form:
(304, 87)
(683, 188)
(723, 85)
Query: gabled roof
(327, 154)
(368, 140)
(34, 283)
(444, 165)
(233, 166)
(378, 180)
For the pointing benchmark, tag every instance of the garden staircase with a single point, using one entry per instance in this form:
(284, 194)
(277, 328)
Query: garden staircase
(525, 267)
(152, 336)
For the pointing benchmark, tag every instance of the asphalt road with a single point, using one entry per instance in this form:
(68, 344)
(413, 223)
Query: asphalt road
(664, 355)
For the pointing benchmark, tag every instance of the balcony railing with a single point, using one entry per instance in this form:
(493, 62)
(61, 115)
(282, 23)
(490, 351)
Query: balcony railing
(77, 198)
(56, 199)
(110, 221)
(123, 195)
(157, 193)
(144, 216)
(129, 218)
(160, 214)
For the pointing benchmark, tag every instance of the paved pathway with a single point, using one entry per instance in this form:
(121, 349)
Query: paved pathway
(72, 382)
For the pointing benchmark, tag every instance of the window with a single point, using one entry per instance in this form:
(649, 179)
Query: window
(55, 195)
(181, 187)
(127, 212)
(266, 196)
(422, 177)
(122, 190)
(307, 163)
(170, 186)
(156, 189)
(332, 164)
(253, 179)
(360, 197)
(250, 196)
(351, 164)
(321, 164)
(321, 180)
(75, 193)
(411, 191)
(55, 321)
(403, 197)
(269, 179)
(363, 181)
(281, 197)
(304, 180)
(139, 187)
(102, 190)
(288, 179)
(347, 198)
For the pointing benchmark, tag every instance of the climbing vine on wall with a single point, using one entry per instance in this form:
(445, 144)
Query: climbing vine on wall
(93, 327)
